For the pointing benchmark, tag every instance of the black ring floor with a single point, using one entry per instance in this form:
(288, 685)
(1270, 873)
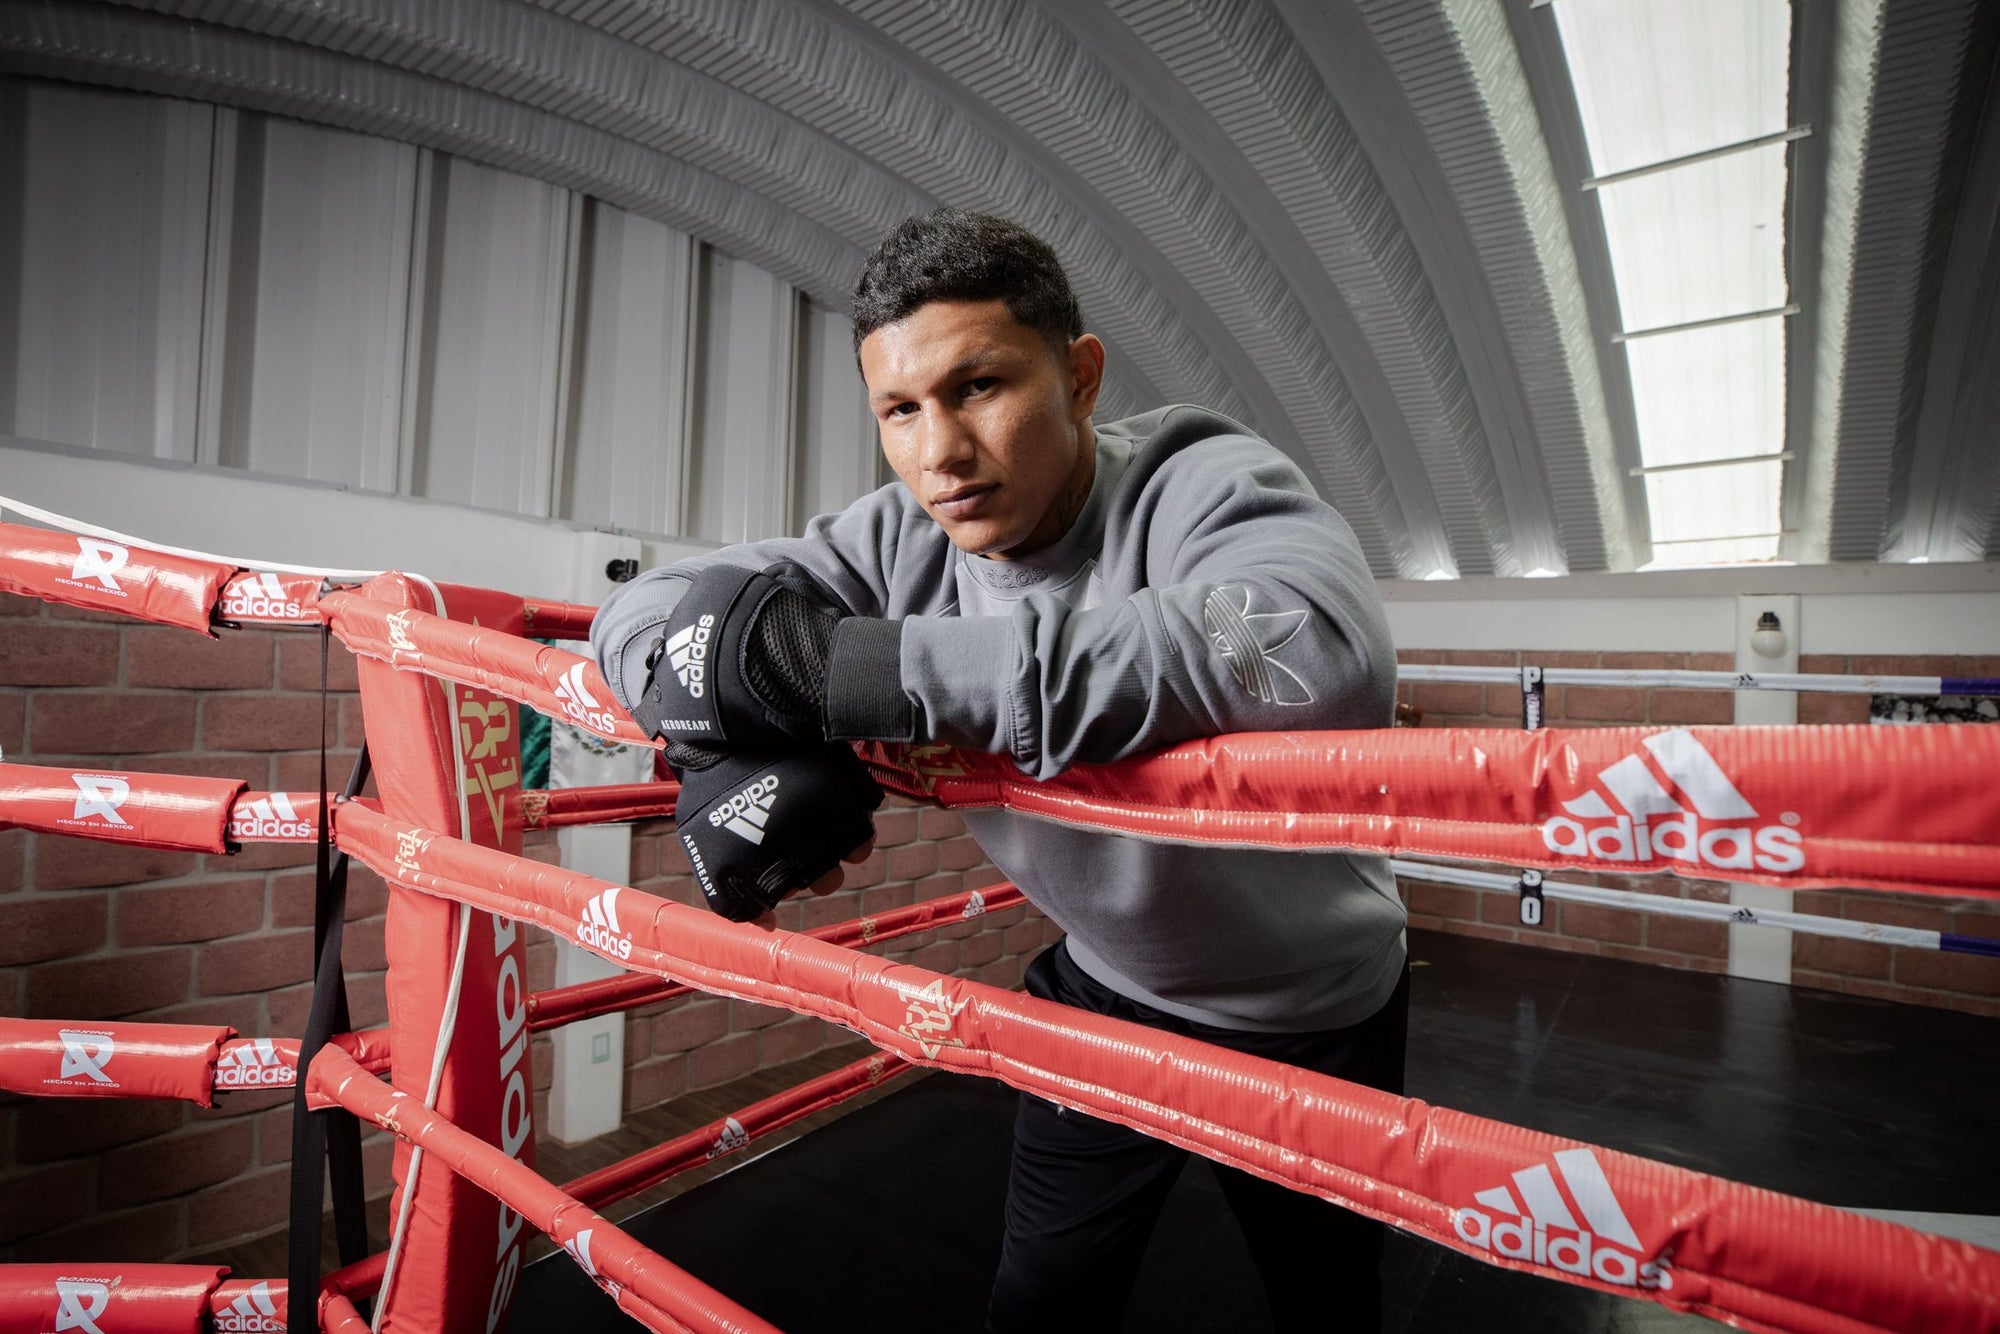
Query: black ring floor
(889, 1218)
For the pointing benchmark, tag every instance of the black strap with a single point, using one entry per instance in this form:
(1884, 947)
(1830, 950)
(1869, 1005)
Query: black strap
(334, 1135)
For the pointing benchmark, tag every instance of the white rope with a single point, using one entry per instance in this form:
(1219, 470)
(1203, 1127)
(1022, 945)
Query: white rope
(1805, 682)
(92, 530)
(1803, 923)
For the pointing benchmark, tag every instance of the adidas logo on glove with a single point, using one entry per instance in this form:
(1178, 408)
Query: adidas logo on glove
(746, 813)
(687, 654)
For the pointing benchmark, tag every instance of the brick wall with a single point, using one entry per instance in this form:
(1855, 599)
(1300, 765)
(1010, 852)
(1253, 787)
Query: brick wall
(1923, 977)
(93, 930)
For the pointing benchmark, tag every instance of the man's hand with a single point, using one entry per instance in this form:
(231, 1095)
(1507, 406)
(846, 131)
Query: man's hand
(769, 659)
(760, 827)
(743, 660)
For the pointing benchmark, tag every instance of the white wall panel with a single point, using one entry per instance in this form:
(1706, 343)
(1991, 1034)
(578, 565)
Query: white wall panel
(497, 268)
(837, 450)
(745, 414)
(317, 294)
(101, 252)
(626, 462)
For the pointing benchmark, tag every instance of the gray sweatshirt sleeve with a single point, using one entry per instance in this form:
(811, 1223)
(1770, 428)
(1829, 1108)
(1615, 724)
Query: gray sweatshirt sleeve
(1257, 613)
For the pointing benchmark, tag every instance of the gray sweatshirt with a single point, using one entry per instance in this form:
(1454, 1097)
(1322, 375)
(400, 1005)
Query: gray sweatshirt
(1203, 589)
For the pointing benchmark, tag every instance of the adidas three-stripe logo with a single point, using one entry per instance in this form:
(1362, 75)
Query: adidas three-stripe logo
(599, 928)
(255, 1312)
(687, 654)
(255, 1063)
(746, 813)
(1536, 1223)
(1675, 802)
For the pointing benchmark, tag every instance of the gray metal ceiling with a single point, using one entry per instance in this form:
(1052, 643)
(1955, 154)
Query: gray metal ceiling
(1356, 224)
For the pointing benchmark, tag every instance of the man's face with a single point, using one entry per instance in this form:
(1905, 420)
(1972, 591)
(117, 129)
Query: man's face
(986, 423)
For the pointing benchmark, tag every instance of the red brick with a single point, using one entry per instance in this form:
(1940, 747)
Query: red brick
(1593, 922)
(939, 956)
(720, 1062)
(1686, 935)
(1970, 974)
(16, 604)
(694, 1023)
(1482, 658)
(942, 885)
(34, 1201)
(542, 1054)
(799, 1036)
(1023, 938)
(1605, 703)
(262, 856)
(169, 657)
(180, 913)
(1823, 664)
(108, 987)
(298, 664)
(1693, 706)
(1900, 664)
(1911, 910)
(13, 859)
(292, 896)
(818, 911)
(1442, 900)
(745, 1017)
(653, 1082)
(873, 871)
(1815, 708)
(912, 861)
(1713, 662)
(937, 824)
(885, 898)
(1640, 662)
(51, 1128)
(262, 722)
(894, 827)
(1852, 958)
(1004, 973)
(250, 1203)
(38, 929)
(299, 771)
(176, 1164)
(44, 654)
(253, 770)
(983, 948)
(13, 723)
(112, 724)
(362, 949)
(257, 962)
(245, 1014)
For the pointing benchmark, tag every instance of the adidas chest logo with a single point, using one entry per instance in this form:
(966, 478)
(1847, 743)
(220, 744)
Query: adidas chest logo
(1675, 802)
(746, 813)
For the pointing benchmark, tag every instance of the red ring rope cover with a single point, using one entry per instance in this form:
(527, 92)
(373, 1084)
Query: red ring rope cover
(1690, 1241)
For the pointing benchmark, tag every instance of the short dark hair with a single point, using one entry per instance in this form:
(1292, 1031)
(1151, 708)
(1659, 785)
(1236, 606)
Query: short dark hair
(950, 254)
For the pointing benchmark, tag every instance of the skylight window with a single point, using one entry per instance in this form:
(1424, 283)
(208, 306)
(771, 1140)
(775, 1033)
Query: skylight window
(1683, 110)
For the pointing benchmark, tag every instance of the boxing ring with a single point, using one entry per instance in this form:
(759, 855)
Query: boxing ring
(441, 666)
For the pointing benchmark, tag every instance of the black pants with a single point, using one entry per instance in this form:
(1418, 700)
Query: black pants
(1083, 1194)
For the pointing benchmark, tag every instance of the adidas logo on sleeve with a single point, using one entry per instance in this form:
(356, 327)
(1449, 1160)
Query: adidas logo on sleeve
(687, 655)
(1530, 1218)
(270, 817)
(1673, 801)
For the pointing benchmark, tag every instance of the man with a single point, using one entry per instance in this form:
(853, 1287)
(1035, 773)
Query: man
(1061, 592)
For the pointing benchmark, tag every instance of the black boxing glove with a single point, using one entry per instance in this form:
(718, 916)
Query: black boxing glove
(749, 658)
(758, 827)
